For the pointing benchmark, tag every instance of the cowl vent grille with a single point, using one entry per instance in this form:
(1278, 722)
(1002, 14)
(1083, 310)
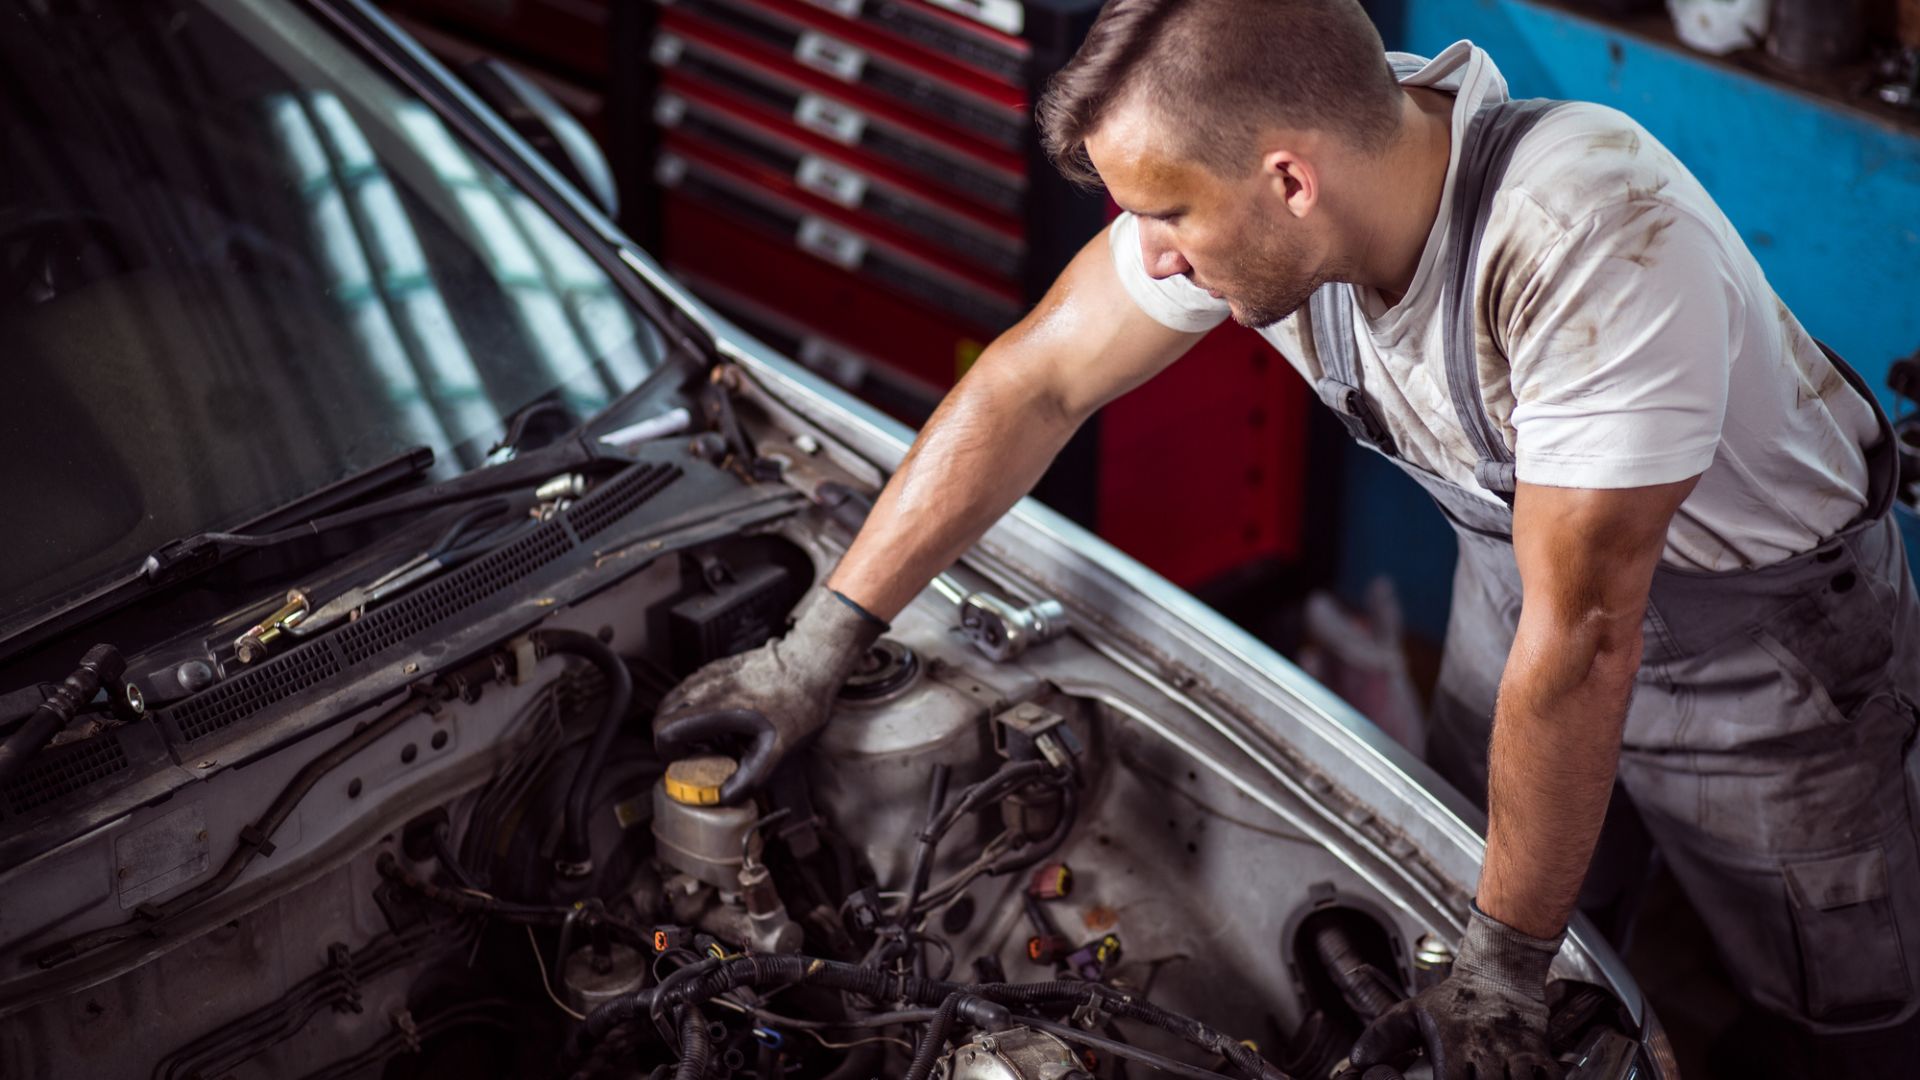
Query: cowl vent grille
(62, 770)
(255, 689)
(335, 652)
(619, 497)
(387, 626)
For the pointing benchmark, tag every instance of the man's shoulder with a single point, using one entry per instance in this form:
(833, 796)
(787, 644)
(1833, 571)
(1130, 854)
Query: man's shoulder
(1583, 160)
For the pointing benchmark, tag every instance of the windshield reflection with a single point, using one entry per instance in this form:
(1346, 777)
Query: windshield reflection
(236, 264)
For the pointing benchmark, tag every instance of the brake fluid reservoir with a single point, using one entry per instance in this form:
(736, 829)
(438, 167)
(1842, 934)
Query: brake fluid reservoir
(873, 764)
(691, 832)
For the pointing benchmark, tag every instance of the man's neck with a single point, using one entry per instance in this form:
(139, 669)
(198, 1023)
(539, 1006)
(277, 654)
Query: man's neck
(1403, 195)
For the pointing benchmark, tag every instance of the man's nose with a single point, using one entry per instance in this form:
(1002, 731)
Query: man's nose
(1158, 254)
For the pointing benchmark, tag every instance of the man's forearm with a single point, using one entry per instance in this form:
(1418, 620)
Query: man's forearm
(984, 448)
(1556, 743)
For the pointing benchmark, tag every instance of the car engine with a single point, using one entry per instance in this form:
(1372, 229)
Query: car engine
(440, 843)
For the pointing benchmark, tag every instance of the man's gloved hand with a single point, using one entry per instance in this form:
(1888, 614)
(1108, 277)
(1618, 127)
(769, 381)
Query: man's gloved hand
(1486, 1020)
(776, 695)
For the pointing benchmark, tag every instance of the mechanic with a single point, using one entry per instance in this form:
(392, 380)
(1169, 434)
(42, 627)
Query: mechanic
(1539, 314)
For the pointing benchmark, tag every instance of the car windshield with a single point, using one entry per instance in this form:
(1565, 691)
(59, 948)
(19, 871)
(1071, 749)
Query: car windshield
(238, 261)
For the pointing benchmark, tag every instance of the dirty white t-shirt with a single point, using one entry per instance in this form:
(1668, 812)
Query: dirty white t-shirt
(1626, 337)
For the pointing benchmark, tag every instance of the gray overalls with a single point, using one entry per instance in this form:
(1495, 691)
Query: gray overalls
(1769, 742)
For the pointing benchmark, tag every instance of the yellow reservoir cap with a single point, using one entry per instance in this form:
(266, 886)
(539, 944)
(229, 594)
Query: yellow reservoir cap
(696, 781)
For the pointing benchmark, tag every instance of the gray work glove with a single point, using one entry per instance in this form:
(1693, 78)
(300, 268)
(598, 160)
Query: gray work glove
(1485, 1021)
(776, 695)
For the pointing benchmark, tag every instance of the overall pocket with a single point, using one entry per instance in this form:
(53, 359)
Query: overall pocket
(1853, 963)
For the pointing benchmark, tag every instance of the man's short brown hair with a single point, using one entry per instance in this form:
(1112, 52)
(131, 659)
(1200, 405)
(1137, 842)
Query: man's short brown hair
(1222, 71)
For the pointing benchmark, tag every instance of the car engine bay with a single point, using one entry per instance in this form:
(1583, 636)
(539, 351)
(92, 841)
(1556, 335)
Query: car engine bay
(432, 838)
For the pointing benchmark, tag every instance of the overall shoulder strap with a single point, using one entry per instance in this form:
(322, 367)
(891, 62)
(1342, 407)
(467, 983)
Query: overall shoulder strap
(1330, 313)
(1485, 150)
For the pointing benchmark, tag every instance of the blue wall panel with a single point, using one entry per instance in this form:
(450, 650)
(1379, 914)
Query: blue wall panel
(1827, 198)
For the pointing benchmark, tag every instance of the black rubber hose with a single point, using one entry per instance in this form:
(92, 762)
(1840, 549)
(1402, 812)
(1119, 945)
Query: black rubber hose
(604, 1018)
(574, 858)
(443, 852)
(1364, 987)
(696, 1045)
(102, 664)
(923, 850)
(933, 1039)
(1009, 777)
(468, 903)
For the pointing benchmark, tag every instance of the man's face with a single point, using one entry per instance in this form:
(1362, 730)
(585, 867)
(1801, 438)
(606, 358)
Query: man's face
(1232, 236)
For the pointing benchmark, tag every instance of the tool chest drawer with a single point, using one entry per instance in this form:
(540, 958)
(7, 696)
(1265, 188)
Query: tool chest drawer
(833, 236)
(918, 340)
(967, 41)
(873, 67)
(891, 199)
(797, 98)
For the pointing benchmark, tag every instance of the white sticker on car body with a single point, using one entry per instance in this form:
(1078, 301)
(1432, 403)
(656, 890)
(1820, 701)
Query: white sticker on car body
(168, 851)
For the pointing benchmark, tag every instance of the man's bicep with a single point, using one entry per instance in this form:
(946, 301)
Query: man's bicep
(1587, 553)
(1087, 341)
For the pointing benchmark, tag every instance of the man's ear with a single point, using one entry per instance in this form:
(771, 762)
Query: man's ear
(1293, 178)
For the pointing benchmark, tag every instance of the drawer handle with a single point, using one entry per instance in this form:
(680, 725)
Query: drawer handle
(836, 58)
(829, 118)
(830, 181)
(669, 110)
(667, 49)
(825, 240)
(846, 9)
(1006, 16)
(669, 170)
(832, 361)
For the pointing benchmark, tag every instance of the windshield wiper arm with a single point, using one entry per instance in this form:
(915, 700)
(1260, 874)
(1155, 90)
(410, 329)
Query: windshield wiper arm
(26, 631)
(187, 556)
(182, 557)
(193, 555)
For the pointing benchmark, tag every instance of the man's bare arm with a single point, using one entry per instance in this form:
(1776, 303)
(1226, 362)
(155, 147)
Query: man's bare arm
(1586, 563)
(1084, 345)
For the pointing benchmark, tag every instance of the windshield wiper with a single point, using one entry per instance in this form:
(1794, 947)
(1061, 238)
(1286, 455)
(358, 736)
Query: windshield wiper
(25, 631)
(325, 510)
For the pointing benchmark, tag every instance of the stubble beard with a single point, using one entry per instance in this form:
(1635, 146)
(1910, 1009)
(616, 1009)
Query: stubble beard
(1272, 306)
(1280, 284)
